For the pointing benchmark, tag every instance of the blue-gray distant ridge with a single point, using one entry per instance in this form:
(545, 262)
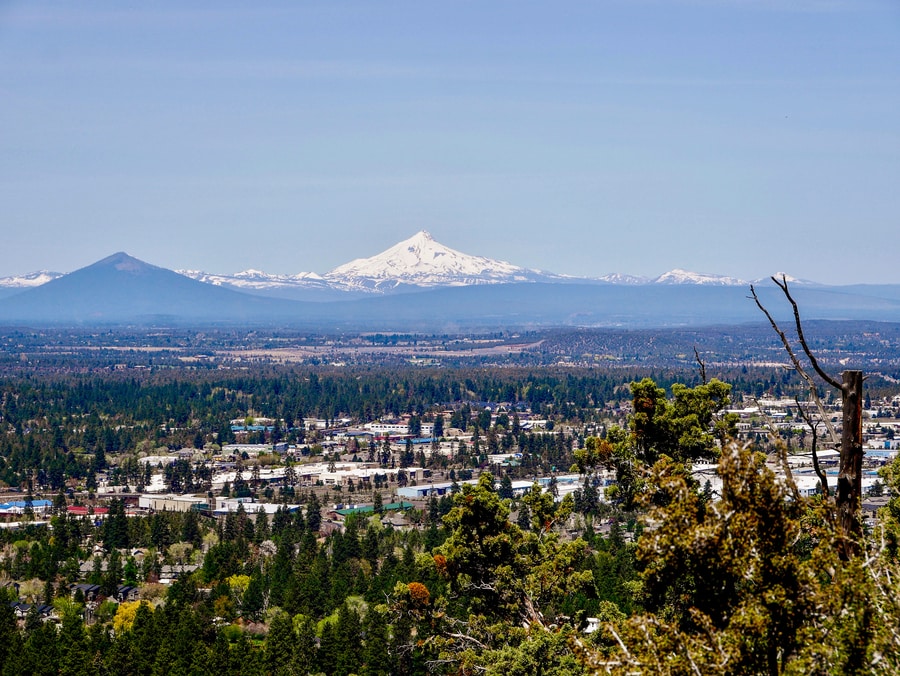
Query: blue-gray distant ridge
(122, 290)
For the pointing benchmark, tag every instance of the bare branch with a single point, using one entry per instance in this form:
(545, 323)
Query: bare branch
(701, 364)
(465, 637)
(823, 479)
(619, 640)
(813, 390)
(783, 285)
(788, 474)
(781, 450)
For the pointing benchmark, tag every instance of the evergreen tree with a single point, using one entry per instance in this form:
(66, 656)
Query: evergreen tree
(7, 625)
(280, 646)
(74, 659)
(349, 637)
(376, 503)
(40, 652)
(313, 513)
(376, 655)
(112, 578)
(115, 527)
(438, 430)
(328, 654)
(506, 487)
(252, 601)
(145, 637)
(190, 529)
(304, 657)
(261, 529)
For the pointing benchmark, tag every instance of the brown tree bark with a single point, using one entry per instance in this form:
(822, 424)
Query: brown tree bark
(849, 487)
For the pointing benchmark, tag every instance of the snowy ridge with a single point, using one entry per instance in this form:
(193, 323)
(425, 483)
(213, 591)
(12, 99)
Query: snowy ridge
(790, 280)
(258, 280)
(620, 278)
(679, 276)
(30, 280)
(419, 261)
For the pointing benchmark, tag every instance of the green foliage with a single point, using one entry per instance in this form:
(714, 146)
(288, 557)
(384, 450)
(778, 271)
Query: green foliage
(479, 552)
(743, 583)
(683, 429)
(526, 653)
(690, 427)
(731, 562)
(751, 584)
(890, 513)
(504, 577)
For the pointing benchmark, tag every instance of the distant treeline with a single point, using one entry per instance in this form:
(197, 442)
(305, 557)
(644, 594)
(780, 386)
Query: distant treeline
(65, 424)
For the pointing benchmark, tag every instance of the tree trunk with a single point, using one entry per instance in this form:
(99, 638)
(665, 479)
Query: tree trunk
(849, 486)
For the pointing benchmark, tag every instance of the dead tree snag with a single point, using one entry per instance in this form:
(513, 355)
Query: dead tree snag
(849, 486)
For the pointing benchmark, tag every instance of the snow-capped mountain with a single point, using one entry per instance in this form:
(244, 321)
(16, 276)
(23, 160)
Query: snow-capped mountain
(676, 276)
(679, 276)
(30, 280)
(257, 280)
(120, 290)
(417, 262)
(788, 278)
(422, 261)
(620, 278)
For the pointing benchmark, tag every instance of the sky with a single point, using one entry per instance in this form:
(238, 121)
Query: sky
(735, 137)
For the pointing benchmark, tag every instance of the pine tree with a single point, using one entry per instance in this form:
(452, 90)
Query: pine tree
(252, 601)
(7, 626)
(40, 653)
(280, 646)
(115, 527)
(304, 657)
(190, 529)
(74, 659)
(314, 513)
(376, 656)
(328, 654)
(261, 530)
(349, 637)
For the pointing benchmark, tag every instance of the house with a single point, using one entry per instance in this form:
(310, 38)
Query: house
(126, 592)
(87, 567)
(168, 574)
(21, 610)
(395, 520)
(90, 592)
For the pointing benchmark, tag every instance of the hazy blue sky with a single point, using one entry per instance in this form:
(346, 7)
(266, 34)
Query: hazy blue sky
(738, 137)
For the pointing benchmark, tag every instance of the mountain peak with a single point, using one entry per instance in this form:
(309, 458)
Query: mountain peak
(620, 278)
(421, 236)
(123, 262)
(423, 261)
(792, 280)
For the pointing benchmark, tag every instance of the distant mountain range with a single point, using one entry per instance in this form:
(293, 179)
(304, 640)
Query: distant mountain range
(416, 285)
(419, 262)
